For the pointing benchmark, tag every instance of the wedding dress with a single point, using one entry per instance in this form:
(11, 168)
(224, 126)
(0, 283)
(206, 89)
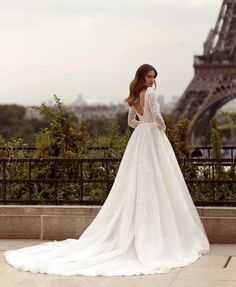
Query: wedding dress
(148, 223)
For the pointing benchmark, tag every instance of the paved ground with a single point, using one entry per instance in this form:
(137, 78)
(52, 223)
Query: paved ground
(217, 269)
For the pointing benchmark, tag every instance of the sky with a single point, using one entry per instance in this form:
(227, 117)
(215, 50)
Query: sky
(93, 48)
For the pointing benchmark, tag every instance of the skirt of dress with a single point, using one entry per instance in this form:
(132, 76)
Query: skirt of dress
(148, 223)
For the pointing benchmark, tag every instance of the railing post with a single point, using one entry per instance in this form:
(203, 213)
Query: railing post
(4, 187)
(81, 191)
(55, 181)
(30, 181)
(107, 176)
(213, 182)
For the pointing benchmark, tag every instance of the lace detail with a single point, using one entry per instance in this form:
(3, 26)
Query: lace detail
(143, 210)
(155, 111)
(151, 111)
(132, 122)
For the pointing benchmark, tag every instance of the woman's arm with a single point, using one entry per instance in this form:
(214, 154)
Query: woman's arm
(132, 122)
(155, 111)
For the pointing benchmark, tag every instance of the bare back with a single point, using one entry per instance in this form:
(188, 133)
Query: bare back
(139, 106)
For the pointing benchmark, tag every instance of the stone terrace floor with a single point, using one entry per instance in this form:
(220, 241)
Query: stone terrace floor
(218, 269)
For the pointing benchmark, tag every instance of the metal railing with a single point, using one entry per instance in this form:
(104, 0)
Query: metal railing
(207, 151)
(88, 181)
(210, 181)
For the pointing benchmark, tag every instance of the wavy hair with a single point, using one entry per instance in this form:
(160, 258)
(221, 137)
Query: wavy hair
(138, 83)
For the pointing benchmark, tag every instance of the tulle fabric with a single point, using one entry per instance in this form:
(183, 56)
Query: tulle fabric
(147, 225)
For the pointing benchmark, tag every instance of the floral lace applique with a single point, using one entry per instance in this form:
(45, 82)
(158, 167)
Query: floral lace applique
(155, 111)
(132, 122)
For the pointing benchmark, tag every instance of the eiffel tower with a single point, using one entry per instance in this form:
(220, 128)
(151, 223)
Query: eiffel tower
(214, 81)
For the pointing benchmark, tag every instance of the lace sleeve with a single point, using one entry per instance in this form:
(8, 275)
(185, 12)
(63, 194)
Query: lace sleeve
(155, 111)
(132, 122)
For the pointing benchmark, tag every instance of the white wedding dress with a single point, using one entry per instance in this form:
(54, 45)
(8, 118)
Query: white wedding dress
(148, 223)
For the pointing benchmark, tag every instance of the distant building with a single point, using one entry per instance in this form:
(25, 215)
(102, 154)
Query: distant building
(98, 111)
(175, 99)
(171, 104)
(31, 113)
(161, 100)
(80, 101)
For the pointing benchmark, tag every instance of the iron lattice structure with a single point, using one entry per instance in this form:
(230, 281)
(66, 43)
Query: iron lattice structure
(214, 81)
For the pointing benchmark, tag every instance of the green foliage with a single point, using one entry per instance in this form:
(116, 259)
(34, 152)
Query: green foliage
(114, 140)
(44, 144)
(97, 127)
(98, 194)
(14, 148)
(231, 115)
(15, 124)
(182, 138)
(124, 141)
(215, 138)
(122, 121)
(171, 133)
(83, 138)
(64, 137)
(178, 136)
(216, 145)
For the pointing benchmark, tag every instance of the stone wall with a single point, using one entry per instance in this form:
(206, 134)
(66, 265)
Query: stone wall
(61, 222)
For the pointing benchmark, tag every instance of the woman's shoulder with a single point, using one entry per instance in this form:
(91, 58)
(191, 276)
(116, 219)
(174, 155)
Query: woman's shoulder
(152, 93)
(153, 98)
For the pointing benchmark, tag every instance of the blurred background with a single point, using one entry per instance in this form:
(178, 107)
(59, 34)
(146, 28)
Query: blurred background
(87, 52)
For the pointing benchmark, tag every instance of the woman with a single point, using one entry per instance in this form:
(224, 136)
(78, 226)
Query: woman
(148, 223)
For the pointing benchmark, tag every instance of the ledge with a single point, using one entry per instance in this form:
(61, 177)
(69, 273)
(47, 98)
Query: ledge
(46, 222)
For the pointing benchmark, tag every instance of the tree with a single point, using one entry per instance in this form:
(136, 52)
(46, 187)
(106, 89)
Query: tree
(15, 124)
(63, 137)
(216, 144)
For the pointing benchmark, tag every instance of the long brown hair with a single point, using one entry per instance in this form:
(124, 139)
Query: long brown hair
(138, 83)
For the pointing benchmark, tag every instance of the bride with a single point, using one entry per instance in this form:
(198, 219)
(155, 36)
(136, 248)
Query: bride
(148, 223)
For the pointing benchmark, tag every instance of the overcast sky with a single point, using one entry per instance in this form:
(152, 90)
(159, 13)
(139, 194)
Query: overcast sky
(93, 48)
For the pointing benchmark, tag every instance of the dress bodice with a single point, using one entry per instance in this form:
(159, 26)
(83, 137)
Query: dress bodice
(151, 111)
